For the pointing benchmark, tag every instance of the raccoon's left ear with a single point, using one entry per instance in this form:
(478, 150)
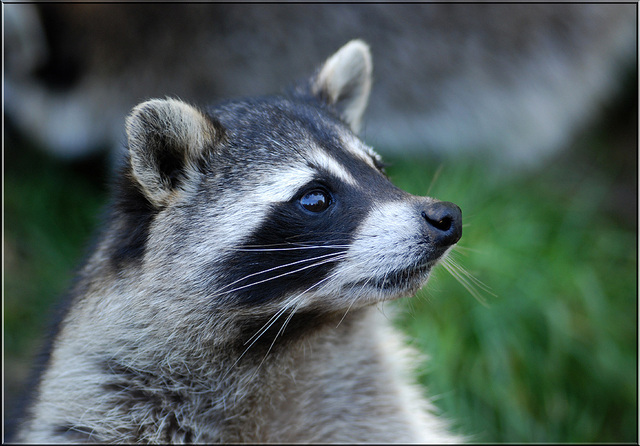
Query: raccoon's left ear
(167, 139)
(344, 82)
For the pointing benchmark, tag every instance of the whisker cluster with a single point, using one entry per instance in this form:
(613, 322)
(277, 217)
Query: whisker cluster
(471, 283)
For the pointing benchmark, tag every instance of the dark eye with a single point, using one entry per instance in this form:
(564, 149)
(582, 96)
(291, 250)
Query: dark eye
(316, 200)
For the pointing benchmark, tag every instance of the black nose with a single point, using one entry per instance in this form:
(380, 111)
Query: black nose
(444, 223)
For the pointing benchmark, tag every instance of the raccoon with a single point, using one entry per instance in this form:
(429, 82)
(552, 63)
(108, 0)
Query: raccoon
(232, 295)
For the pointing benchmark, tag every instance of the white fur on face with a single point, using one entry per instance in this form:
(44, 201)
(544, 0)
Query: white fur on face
(356, 147)
(237, 215)
(281, 185)
(324, 161)
(388, 239)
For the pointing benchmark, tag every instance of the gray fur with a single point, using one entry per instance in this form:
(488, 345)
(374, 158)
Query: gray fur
(163, 343)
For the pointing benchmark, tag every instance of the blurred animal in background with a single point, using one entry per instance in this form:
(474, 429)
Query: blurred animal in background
(513, 82)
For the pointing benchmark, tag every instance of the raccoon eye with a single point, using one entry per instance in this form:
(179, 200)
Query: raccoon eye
(316, 200)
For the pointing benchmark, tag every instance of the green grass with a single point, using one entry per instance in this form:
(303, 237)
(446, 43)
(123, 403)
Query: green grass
(550, 358)
(50, 210)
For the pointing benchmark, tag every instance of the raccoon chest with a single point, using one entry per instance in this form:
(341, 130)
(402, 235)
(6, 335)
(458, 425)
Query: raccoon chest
(329, 388)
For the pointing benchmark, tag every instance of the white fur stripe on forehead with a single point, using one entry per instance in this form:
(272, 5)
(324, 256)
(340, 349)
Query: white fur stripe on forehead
(356, 147)
(282, 184)
(322, 160)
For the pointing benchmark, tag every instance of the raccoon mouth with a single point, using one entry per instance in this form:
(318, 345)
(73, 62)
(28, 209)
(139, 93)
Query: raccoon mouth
(399, 281)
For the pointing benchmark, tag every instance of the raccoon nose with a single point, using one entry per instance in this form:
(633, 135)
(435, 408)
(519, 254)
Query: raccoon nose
(444, 223)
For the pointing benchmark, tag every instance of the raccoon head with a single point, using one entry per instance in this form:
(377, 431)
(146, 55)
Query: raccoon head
(273, 202)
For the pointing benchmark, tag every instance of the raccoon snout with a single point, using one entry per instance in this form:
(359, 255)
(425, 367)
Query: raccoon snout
(444, 223)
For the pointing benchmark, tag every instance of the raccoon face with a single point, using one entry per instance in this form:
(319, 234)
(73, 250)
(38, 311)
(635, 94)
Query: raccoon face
(271, 201)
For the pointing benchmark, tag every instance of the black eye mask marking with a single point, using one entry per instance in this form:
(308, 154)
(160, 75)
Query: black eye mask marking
(295, 248)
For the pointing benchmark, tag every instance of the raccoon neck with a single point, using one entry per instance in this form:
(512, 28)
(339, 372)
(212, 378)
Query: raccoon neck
(253, 380)
(318, 386)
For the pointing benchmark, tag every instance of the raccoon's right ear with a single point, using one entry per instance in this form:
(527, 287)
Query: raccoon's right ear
(166, 140)
(344, 82)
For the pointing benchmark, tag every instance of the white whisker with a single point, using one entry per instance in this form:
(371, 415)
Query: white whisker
(267, 325)
(435, 177)
(272, 320)
(464, 249)
(260, 249)
(257, 336)
(355, 298)
(471, 277)
(467, 280)
(327, 258)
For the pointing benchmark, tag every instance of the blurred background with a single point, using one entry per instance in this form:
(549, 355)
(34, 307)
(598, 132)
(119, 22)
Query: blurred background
(526, 116)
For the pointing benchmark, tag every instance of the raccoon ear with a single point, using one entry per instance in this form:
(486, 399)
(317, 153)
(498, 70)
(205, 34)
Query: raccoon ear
(166, 139)
(344, 82)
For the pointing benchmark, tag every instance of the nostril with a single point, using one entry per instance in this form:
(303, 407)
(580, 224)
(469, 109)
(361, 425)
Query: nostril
(443, 223)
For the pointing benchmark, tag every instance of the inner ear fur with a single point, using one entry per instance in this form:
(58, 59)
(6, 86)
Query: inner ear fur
(344, 82)
(167, 138)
